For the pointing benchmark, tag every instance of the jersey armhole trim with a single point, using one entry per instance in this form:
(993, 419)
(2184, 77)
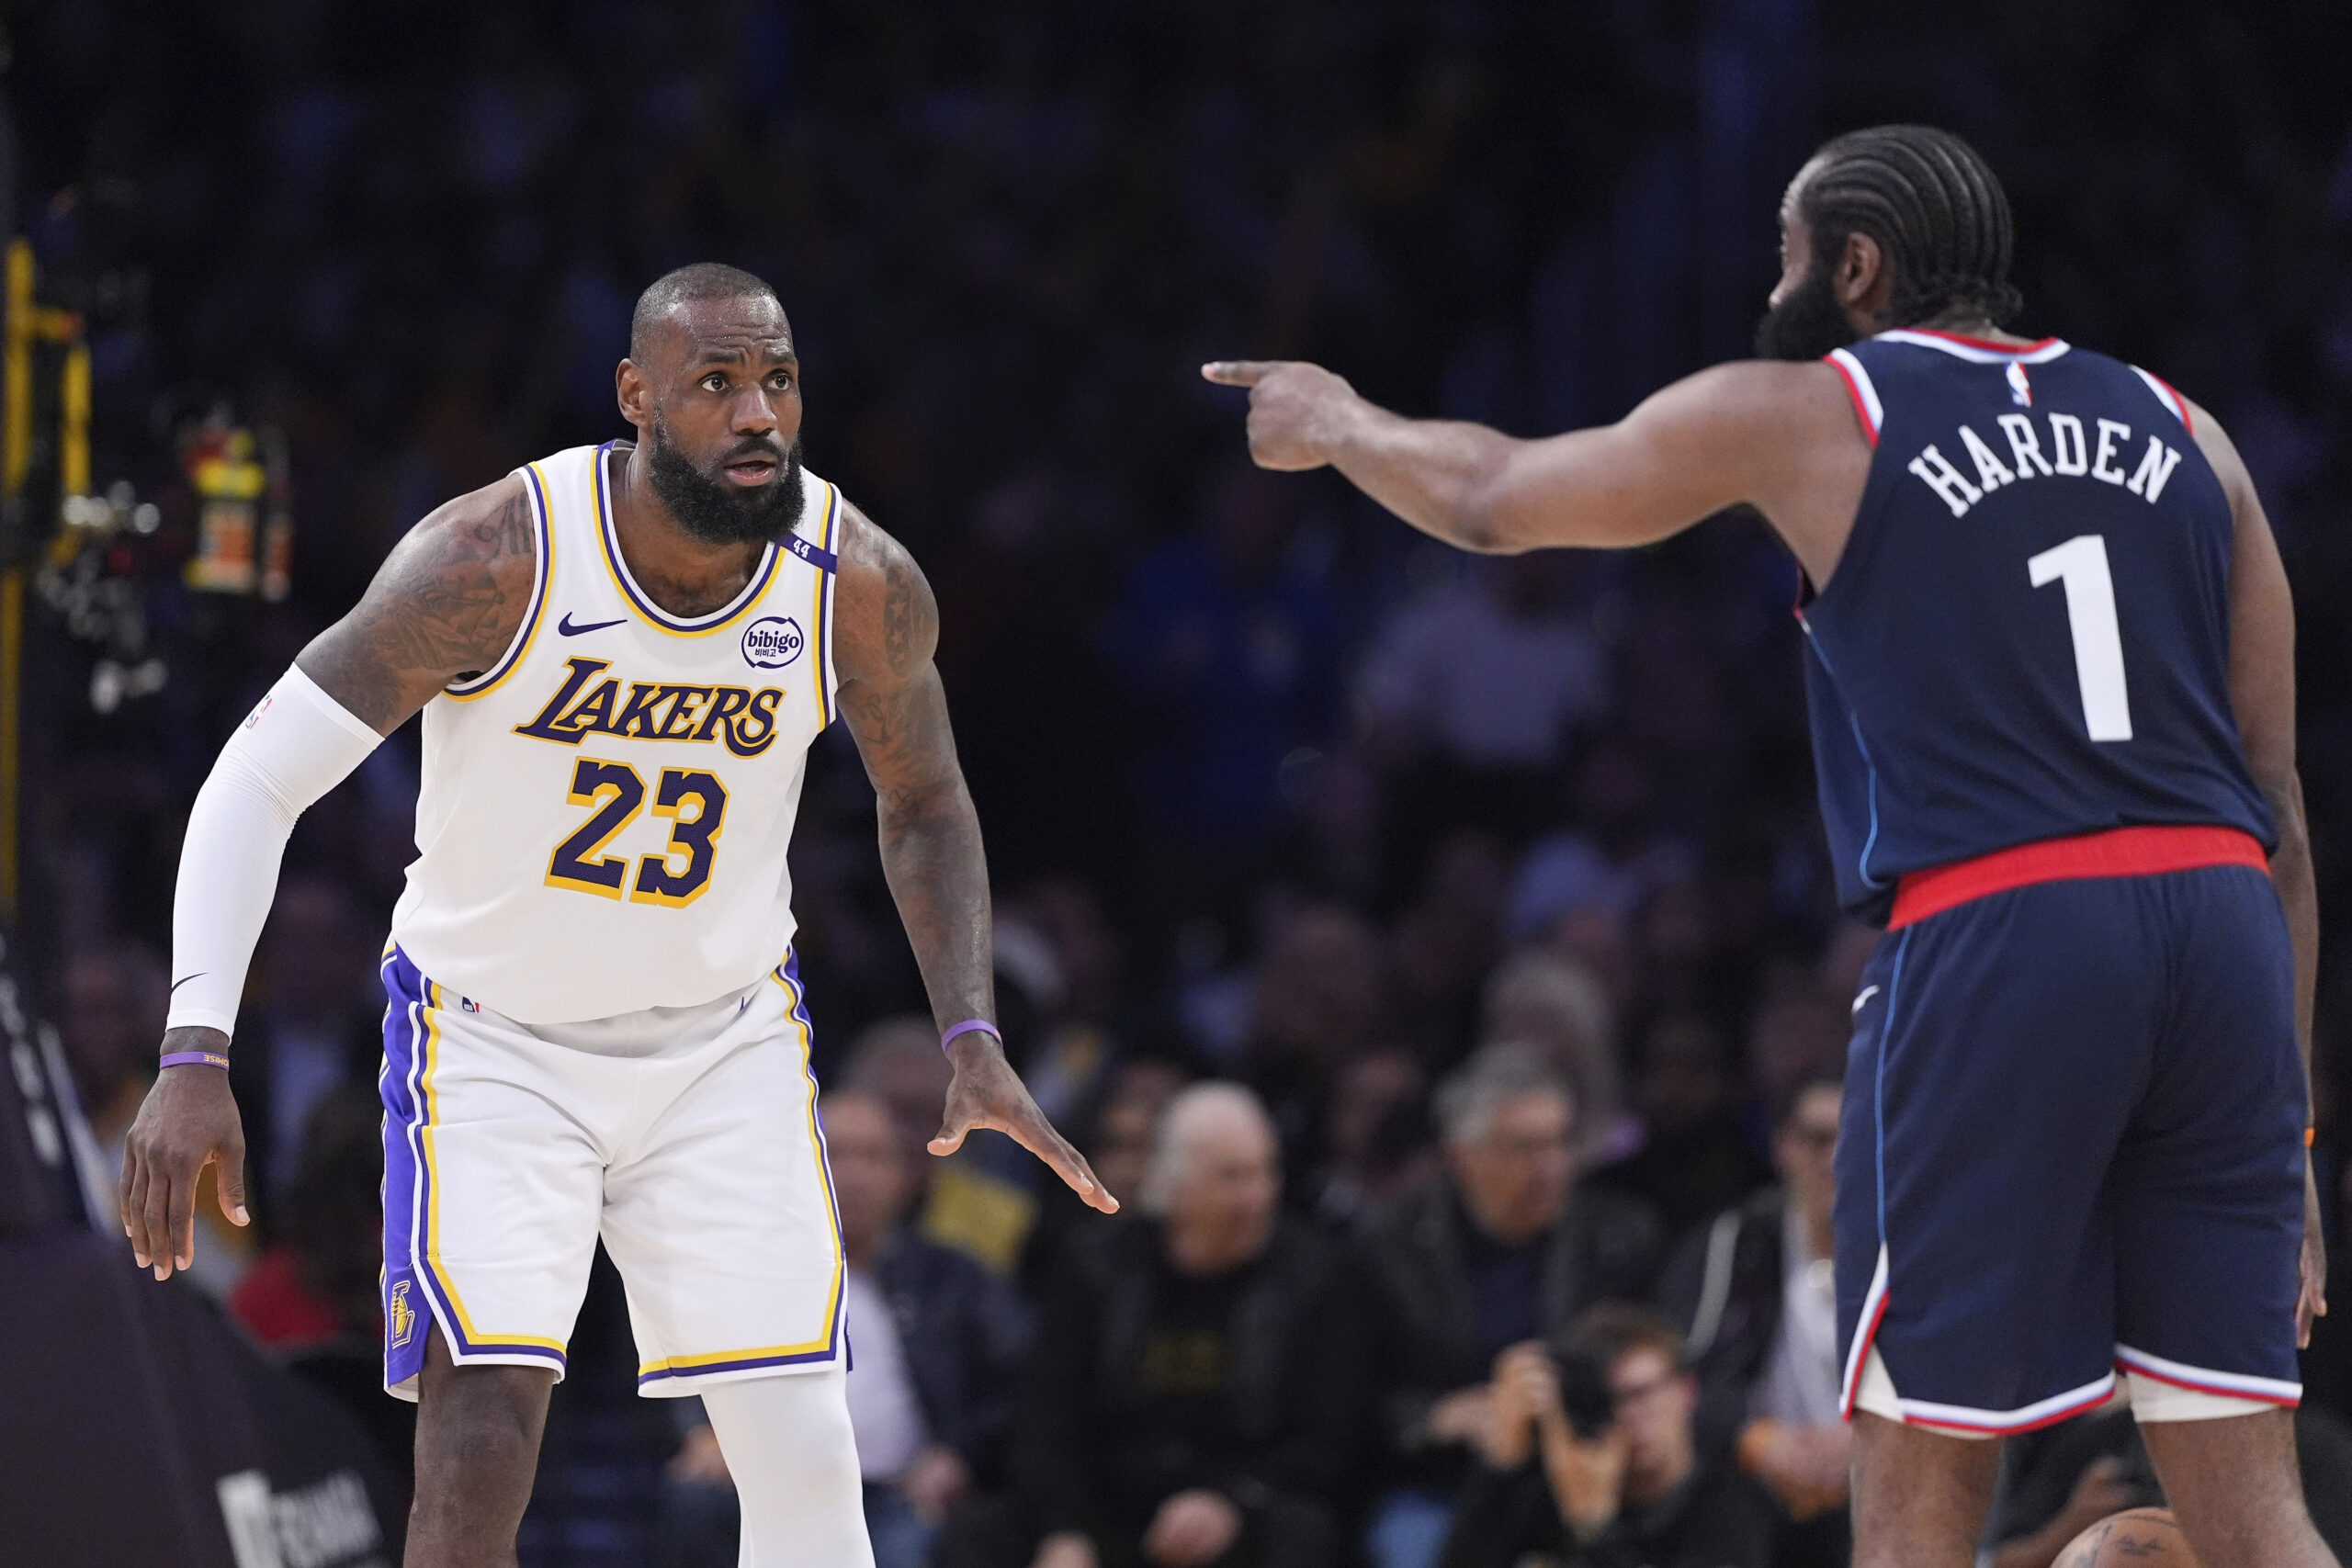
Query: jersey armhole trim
(1859, 392)
(2166, 396)
(543, 541)
(827, 684)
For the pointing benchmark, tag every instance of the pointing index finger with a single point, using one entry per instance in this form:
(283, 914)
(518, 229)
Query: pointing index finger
(1237, 372)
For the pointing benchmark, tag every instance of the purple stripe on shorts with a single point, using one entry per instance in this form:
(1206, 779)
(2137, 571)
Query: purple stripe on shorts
(406, 1312)
(409, 1275)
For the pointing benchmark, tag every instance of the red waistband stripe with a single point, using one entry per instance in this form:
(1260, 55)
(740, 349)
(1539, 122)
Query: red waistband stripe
(2119, 851)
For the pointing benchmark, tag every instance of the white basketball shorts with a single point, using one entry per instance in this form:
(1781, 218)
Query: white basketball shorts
(686, 1137)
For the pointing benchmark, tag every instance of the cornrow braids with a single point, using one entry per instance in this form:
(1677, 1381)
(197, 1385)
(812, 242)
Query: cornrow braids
(1934, 206)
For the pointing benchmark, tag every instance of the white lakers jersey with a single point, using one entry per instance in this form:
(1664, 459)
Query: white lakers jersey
(604, 812)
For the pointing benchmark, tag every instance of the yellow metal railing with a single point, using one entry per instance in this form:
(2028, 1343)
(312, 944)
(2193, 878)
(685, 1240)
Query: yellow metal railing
(28, 324)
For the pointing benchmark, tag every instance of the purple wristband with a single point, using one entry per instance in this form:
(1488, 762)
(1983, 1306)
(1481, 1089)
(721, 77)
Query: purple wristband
(196, 1059)
(970, 1026)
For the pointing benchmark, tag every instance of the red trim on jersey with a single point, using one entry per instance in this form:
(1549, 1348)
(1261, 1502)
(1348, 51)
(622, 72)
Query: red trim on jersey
(2180, 403)
(1986, 343)
(1854, 394)
(2119, 851)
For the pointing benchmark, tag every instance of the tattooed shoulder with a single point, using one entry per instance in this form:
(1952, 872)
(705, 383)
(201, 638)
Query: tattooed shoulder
(446, 602)
(889, 621)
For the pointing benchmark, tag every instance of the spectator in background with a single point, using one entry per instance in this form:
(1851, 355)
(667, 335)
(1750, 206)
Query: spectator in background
(1054, 939)
(113, 1002)
(1696, 1159)
(1475, 687)
(1504, 1250)
(314, 1021)
(1189, 1402)
(1592, 935)
(1115, 1132)
(314, 1296)
(1612, 858)
(1444, 944)
(1542, 998)
(939, 1344)
(1320, 998)
(1231, 645)
(963, 1205)
(1799, 1028)
(1636, 1492)
(114, 999)
(317, 1282)
(1376, 1138)
(1756, 1294)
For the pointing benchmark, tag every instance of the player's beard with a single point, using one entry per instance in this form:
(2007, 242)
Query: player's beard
(711, 509)
(1807, 324)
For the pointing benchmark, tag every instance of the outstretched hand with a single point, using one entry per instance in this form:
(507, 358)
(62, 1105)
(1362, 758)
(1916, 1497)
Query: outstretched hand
(987, 1092)
(188, 1121)
(1294, 408)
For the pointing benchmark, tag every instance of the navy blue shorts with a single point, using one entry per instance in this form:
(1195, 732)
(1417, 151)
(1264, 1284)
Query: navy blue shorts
(2073, 1141)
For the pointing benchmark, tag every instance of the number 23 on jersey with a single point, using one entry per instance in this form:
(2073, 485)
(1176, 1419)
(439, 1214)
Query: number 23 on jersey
(694, 801)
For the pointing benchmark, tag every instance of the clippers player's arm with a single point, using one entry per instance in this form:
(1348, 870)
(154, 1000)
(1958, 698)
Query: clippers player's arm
(2262, 691)
(1777, 435)
(447, 602)
(931, 837)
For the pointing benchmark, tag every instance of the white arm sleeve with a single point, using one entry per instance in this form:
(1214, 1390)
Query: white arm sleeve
(293, 748)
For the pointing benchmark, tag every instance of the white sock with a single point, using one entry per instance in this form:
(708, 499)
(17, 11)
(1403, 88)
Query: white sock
(787, 1444)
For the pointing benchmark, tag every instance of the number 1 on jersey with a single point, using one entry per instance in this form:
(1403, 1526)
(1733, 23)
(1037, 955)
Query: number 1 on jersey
(2081, 564)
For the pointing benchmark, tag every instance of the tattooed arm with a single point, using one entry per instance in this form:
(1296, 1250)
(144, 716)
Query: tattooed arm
(447, 601)
(931, 835)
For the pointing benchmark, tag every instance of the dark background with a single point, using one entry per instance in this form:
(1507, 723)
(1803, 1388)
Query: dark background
(1007, 233)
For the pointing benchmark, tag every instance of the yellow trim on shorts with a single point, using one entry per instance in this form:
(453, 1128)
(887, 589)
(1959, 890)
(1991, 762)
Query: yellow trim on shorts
(489, 1343)
(832, 1211)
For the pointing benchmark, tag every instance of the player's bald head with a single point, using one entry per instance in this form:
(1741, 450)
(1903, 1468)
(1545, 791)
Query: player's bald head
(663, 299)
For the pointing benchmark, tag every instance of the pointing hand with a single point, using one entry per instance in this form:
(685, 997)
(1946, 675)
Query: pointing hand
(1295, 409)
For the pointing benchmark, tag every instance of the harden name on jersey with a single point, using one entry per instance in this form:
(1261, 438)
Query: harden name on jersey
(2071, 455)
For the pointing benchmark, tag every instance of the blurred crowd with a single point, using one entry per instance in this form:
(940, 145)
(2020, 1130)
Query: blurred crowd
(1438, 953)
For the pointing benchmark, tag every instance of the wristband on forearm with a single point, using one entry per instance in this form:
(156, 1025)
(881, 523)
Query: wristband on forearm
(971, 1026)
(195, 1059)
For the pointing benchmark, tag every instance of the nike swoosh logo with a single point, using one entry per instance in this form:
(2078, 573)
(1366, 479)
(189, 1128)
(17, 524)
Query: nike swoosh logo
(198, 975)
(566, 629)
(1868, 992)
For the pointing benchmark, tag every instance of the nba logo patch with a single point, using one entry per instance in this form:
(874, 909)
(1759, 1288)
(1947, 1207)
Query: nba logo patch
(400, 1318)
(260, 708)
(772, 642)
(2020, 389)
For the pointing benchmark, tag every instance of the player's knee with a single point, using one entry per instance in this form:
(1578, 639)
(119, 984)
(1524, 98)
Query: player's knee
(484, 1413)
(788, 1443)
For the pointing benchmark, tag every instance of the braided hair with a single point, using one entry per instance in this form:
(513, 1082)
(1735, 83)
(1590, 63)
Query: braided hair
(1936, 208)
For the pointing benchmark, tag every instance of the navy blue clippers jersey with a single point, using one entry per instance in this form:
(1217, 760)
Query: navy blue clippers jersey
(2027, 635)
